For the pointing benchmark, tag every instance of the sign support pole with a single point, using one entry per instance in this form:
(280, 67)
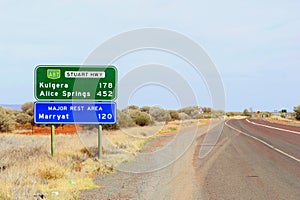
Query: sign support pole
(99, 141)
(52, 139)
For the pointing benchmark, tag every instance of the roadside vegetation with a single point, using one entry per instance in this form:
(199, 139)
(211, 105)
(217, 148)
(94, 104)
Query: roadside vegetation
(27, 167)
(297, 111)
(11, 120)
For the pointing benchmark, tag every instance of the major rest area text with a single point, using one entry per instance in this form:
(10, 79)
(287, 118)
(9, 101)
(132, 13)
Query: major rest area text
(75, 108)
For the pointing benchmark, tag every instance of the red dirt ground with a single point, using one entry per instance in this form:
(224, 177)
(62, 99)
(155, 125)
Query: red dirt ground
(36, 130)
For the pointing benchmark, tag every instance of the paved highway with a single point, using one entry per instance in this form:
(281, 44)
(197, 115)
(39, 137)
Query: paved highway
(253, 159)
(282, 138)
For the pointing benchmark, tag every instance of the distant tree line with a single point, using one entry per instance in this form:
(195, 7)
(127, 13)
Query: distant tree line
(146, 115)
(127, 117)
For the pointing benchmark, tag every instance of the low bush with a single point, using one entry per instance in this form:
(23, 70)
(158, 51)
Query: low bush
(124, 119)
(184, 116)
(174, 114)
(7, 120)
(145, 109)
(297, 111)
(28, 108)
(23, 118)
(139, 118)
(188, 110)
(51, 171)
(247, 113)
(159, 114)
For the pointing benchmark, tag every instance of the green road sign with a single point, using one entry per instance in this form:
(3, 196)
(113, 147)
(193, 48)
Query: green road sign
(69, 82)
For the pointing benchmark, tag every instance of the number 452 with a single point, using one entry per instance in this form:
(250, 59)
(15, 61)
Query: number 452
(105, 93)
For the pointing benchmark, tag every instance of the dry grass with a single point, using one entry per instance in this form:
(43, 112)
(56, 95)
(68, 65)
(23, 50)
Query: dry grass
(278, 119)
(27, 168)
(30, 169)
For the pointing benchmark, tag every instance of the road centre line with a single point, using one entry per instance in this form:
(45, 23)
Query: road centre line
(265, 143)
(280, 129)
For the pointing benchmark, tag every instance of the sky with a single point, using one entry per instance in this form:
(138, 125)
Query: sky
(255, 46)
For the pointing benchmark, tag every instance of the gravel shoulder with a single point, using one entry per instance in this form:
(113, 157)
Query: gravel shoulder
(175, 181)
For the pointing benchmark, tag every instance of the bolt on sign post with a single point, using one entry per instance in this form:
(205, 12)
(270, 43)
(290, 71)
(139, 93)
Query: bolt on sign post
(75, 93)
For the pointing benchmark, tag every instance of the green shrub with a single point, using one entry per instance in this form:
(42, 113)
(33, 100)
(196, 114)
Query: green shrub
(124, 119)
(51, 171)
(139, 118)
(145, 109)
(159, 114)
(206, 109)
(282, 115)
(193, 111)
(28, 108)
(205, 116)
(184, 116)
(246, 113)
(23, 118)
(230, 114)
(189, 110)
(143, 120)
(110, 126)
(297, 111)
(195, 114)
(133, 107)
(7, 121)
(174, 114)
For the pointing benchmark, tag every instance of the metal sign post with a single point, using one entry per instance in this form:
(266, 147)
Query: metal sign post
(52, 139)
(100, 141)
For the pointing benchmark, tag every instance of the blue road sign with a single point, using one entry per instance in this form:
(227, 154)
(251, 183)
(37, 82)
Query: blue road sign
(75, 112)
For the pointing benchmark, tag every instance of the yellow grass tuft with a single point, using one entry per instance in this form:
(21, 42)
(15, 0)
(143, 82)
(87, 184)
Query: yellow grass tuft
(51, 170)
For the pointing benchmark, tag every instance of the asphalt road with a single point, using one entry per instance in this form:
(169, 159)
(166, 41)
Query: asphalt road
(251, 160)
(254, 162)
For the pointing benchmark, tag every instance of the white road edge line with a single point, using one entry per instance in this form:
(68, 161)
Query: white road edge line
(280, 129)
(263, 142)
